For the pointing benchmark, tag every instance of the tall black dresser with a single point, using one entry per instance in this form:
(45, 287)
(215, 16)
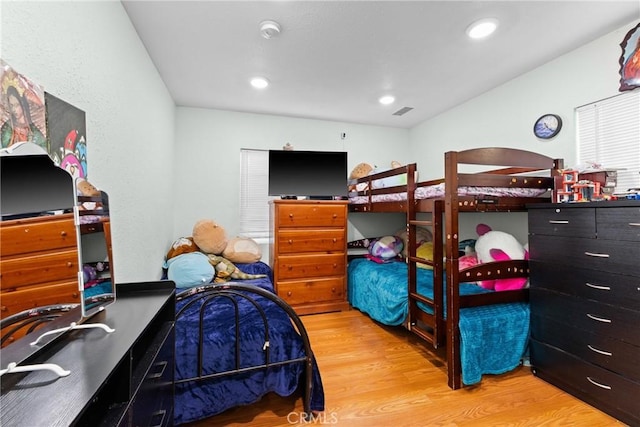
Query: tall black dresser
(585, 302)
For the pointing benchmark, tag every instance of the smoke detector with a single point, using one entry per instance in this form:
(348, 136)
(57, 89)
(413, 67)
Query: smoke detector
(269, 29)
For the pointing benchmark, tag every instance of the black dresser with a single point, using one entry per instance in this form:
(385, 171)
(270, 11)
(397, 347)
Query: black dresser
(585, 302)
(123, 378)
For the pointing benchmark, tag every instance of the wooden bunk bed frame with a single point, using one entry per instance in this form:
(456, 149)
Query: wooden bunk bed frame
(517, 169)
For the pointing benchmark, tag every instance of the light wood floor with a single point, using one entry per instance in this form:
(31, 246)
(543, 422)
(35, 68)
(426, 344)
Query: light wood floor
(378, 376)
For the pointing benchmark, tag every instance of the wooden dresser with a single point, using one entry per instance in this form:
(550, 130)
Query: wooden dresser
(122, 378)
(585, 302)
(308, 254)
(38, 263)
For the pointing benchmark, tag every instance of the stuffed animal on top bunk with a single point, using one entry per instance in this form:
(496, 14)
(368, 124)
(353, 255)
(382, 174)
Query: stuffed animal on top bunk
(493, 245)
(365, 169)
(208, 256)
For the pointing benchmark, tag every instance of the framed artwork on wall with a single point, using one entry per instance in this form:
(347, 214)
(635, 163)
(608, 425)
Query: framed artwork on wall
(630, 60)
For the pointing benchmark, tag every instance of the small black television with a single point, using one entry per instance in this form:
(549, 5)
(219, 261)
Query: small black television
(311, 174)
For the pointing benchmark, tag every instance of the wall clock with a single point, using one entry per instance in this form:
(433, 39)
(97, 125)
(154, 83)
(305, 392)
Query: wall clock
(547, 126)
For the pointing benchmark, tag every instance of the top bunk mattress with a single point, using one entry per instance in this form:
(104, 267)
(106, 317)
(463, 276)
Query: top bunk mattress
(438, 191)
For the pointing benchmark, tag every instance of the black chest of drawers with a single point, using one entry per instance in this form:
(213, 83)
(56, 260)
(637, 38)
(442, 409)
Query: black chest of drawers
(585, 302)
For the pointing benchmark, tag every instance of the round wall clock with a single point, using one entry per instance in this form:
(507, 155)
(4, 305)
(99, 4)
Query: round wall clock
(547, 126)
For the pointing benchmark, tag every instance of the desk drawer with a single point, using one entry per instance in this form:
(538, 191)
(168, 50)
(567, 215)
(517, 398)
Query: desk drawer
(616, 356)
(300, 241)
(563, 222)
(41, 268)
(312, 291)
(26, 237)
(615, 289)
(588, 315)
(619, 223)
(309, 266)
(312, 215)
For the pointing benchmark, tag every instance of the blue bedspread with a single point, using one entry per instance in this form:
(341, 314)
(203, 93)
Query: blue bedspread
(493, 338)
(197, 400)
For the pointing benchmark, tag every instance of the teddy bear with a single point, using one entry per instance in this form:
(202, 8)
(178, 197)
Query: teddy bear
(360, 171)
(209, 236)
(493, 246)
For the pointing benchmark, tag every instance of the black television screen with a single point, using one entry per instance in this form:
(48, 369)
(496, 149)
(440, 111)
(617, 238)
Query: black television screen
(320, 174)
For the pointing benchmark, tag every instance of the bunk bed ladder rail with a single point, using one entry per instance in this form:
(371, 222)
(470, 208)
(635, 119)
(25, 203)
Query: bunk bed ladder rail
(429, 327)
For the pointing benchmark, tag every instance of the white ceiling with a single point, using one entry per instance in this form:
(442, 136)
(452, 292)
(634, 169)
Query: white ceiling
(334, 59)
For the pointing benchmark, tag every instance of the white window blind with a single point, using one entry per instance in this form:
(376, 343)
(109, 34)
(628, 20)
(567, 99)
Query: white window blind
(609, 134)
(254, 190)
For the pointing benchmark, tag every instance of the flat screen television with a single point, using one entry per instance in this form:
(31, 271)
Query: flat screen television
(312, 174)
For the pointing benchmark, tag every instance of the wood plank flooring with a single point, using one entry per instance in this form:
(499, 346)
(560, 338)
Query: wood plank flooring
(377, 376)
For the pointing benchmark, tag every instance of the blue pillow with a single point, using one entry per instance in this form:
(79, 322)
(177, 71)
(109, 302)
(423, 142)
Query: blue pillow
(189, 270)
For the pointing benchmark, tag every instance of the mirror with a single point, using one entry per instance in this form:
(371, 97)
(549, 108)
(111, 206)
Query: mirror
(50, 237)
(94, 251)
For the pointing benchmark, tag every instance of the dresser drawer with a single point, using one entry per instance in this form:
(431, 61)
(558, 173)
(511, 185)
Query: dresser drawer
(34, 269)
(614, 355)
(563, 222)
(619, 223)
(604, 389)
(38, 296)
(615, 256)
(587, 315)
(26, 237)
(609, 288)
(299, 241)
(312, 215)
(312, 291)
(308, 266)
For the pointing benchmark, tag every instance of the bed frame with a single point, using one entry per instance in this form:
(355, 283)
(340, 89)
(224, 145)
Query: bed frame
(233, 292)
(517, 169)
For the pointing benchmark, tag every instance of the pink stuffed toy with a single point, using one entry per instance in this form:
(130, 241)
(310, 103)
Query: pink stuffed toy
(499, 246)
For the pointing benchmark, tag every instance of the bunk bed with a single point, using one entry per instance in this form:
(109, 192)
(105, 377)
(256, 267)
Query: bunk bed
(475, 180)
(236, 342)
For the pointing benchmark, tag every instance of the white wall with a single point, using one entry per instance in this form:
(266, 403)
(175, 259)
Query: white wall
(88, 54)
(207, 157)
(504, 117)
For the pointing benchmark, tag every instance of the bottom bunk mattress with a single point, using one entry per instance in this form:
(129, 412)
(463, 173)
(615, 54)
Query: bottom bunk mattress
(221, 352)
(493, 338)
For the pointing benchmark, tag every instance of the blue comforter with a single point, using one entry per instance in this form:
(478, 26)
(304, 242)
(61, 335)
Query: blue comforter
(200, 399)
(493, 338)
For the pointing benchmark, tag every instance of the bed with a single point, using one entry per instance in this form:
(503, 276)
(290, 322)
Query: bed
(477, 180)
(236, 342)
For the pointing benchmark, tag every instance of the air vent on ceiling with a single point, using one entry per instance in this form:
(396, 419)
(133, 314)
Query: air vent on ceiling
(403, 110)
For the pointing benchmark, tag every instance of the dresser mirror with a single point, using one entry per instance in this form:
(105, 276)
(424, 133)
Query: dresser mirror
(55, 245)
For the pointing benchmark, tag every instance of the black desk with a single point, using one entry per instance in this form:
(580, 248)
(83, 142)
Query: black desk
(119, 378)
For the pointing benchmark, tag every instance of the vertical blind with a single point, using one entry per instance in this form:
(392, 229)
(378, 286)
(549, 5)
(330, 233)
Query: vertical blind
(254, 190)
(609, 134)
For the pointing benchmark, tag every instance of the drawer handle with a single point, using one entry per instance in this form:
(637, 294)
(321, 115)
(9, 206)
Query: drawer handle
(335, 240)
(290, 215)
(161, 366)
(596, 383)
(602, 288)
(634, 224)
(592, 348)
(63, 234)
(596, 255)
(599, 319)
(558, 221)
(289, 293)
(160, 414)
(290, 241)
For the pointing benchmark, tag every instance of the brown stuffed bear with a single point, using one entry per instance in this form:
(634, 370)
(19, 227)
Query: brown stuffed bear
(210, 237)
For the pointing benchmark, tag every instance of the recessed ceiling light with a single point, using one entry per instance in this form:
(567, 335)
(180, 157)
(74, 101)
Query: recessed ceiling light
(386, 100)
(482, 28)
(259, 82)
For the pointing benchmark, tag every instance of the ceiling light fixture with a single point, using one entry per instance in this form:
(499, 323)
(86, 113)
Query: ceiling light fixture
(259, 82)
(386, 100)
(269, 29)
(482, 28)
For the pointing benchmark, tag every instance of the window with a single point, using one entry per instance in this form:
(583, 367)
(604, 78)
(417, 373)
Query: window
(254, 190)
(609, 134)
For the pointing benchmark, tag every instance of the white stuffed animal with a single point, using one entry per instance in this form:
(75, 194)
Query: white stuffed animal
(499, 246)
